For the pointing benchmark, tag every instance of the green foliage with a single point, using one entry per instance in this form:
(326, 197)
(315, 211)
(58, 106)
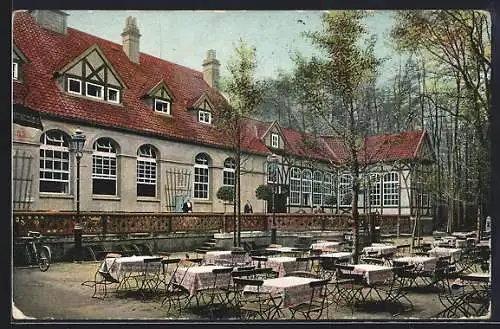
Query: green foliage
(226, 193)
(243, 90)
(264, 192)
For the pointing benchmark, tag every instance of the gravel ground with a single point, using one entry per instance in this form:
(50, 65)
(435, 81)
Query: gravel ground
(59, 295)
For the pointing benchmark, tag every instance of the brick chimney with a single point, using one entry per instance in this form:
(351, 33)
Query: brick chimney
(130, 38)
(211, 69)
(53, 20)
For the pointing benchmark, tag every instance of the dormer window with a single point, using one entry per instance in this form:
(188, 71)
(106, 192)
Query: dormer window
(113, 95)
(162, 106)
(18, 59)
(74, 86)
(15, 71)
(275, 141)
(205, 117)
(94, 91)
(92, 75)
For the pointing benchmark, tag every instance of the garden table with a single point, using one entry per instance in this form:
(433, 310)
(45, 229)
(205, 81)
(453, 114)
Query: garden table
(380, 249)
(374, 273)
(221, 257)
(422, 263)
(122, 267)
(327, 246)
(196, 278)
(338, 255)
(283, 265)
(440, 252)
(293, 290)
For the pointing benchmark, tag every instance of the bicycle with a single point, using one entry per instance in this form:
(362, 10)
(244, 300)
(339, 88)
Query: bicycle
(42, 254)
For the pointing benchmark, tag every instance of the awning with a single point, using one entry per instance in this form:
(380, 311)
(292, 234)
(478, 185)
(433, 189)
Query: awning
(27, 117)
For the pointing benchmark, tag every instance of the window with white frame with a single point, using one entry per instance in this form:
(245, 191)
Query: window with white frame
(146, 171)
(275, 140)
(162, 106)
(317, 188)
(104, 167)
(228, 172)
(204, 117)
(201, 176)
(54, 162)
(391, 189)
(306, 187)
(113, 95)
(295, 176)
(15, 70)
(74, 86)
(327, 186)
(345, 193)
(94, 91)
(375, 190)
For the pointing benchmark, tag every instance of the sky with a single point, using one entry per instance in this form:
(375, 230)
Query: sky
(183, 37)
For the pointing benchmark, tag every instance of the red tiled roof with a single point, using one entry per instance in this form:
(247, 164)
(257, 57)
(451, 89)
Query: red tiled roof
(306, 145)
(48, 52)
(390, 147)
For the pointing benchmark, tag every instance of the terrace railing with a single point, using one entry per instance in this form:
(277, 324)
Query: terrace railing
(102, 224)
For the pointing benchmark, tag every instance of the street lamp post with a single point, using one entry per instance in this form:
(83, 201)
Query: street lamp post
(77, 143)
(273, 159)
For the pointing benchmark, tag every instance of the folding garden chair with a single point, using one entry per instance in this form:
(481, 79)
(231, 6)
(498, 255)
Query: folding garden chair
(348, 286)
(313, 309)
(150, 278)
(102, 279)
(175, 293)
(254, 301)
(395, 290)
(217, 296)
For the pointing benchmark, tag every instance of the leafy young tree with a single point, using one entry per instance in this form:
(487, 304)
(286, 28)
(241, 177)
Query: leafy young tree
(244, 93)
(331, 87)
(458, 42)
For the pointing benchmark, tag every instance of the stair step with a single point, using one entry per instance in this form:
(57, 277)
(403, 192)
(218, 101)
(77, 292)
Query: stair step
(210, 243)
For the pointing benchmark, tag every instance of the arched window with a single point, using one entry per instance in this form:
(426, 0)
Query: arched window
(317, 188)
(295, 186)
(391, 189)
(345, 193)
(201, 176)
(375, 190)
(229, 170)
(104, 167)
(146, 171)
(306, 187)
(54, 162)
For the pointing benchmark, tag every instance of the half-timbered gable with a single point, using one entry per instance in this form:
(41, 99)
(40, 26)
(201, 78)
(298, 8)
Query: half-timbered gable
(91, 75)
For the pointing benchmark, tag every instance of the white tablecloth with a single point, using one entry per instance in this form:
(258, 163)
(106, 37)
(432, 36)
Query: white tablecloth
(195, 278)
(123, 266)
(422, 263)
(440, 252)
(284, 265)
(463, 235)
(380, 249)
(221, 257)
(338, 255)
(327, 246)
(293, 290)
(374, 273)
